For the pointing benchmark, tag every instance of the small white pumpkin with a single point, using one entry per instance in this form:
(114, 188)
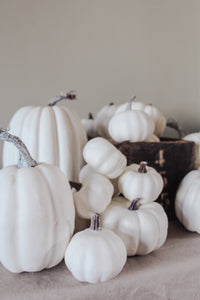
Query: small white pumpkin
(158, 118)
(152, 111)
(95, 254)
(131, 125)
(142, 228)
(89, 126)
(140, 181)
(53, 134)
(104, 158)
(94, 196)
(187, 201)
(194, 137)
(36, 213)
(153, 139)
(102, 119)
(85, 172)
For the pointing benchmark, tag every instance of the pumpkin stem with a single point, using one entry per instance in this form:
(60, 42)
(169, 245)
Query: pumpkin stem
(90, 116)
(143, 167)
(25, 159)
(70, 95)
(134, 204)
(95, 224)
(171, 123)
(75, 185)
(130, 103)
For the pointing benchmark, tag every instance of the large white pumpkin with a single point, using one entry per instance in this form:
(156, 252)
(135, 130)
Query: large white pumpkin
(143, 229)
(36, 216)
(187, 201)
(53, 134)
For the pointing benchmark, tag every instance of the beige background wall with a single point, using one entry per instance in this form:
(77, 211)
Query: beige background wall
(105, 50)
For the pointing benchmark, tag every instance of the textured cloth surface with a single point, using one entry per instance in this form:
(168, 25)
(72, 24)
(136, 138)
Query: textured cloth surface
(172, 272)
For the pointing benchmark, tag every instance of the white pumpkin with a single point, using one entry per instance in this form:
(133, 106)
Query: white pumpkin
(85, 172)
(53, 134)
(140, 181)
(158, 118)
(95, 254)
(94, 196)
(187, 201)
(194, 137)
(153, 139)
(142, 228)
(36, 213)
(152, 111)
(131, 125)
(104, 158)
(102, 119)
(89, 126)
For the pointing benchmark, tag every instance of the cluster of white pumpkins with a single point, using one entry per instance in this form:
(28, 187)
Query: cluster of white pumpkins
(130, 224)
(132, 121)
(38, 205)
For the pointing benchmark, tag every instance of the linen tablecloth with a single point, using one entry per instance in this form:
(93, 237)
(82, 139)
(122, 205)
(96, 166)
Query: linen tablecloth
(172, 272)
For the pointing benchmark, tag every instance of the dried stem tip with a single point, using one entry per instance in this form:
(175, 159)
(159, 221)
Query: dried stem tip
(130, 103)
(134, 204)
(143, 167)
(90, 116)
(75, 185)
(95, 225)
(25, 159)
(70, 96)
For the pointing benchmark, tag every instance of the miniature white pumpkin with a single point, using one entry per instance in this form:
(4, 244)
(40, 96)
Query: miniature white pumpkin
(53, 134)
(104, 158)
(158, 118)
(140, 181)
(89, 125)
(102, 119)
(94, 196)
(36, 213)
(142, 228)
(95, 254)
(153, 139)
(194, 137)
(187, 201)
(152, 111)
(131, 125)
(85, 172)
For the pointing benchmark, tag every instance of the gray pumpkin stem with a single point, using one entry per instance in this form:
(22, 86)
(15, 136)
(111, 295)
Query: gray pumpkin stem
(134, 204)
(25, 159)
(70, 96)
(95, 224)
(143, 167)
(130, 103)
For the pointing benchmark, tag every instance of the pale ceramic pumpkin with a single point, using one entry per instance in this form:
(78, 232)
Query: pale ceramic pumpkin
(142, 228)
(36, 213)
(94, 196)
(131, 125)
(89, 126)
(140, 181)
(102, 119)
(95, 254)
(187, 201)
(104, 158)
(194, 137)
(53, 134)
